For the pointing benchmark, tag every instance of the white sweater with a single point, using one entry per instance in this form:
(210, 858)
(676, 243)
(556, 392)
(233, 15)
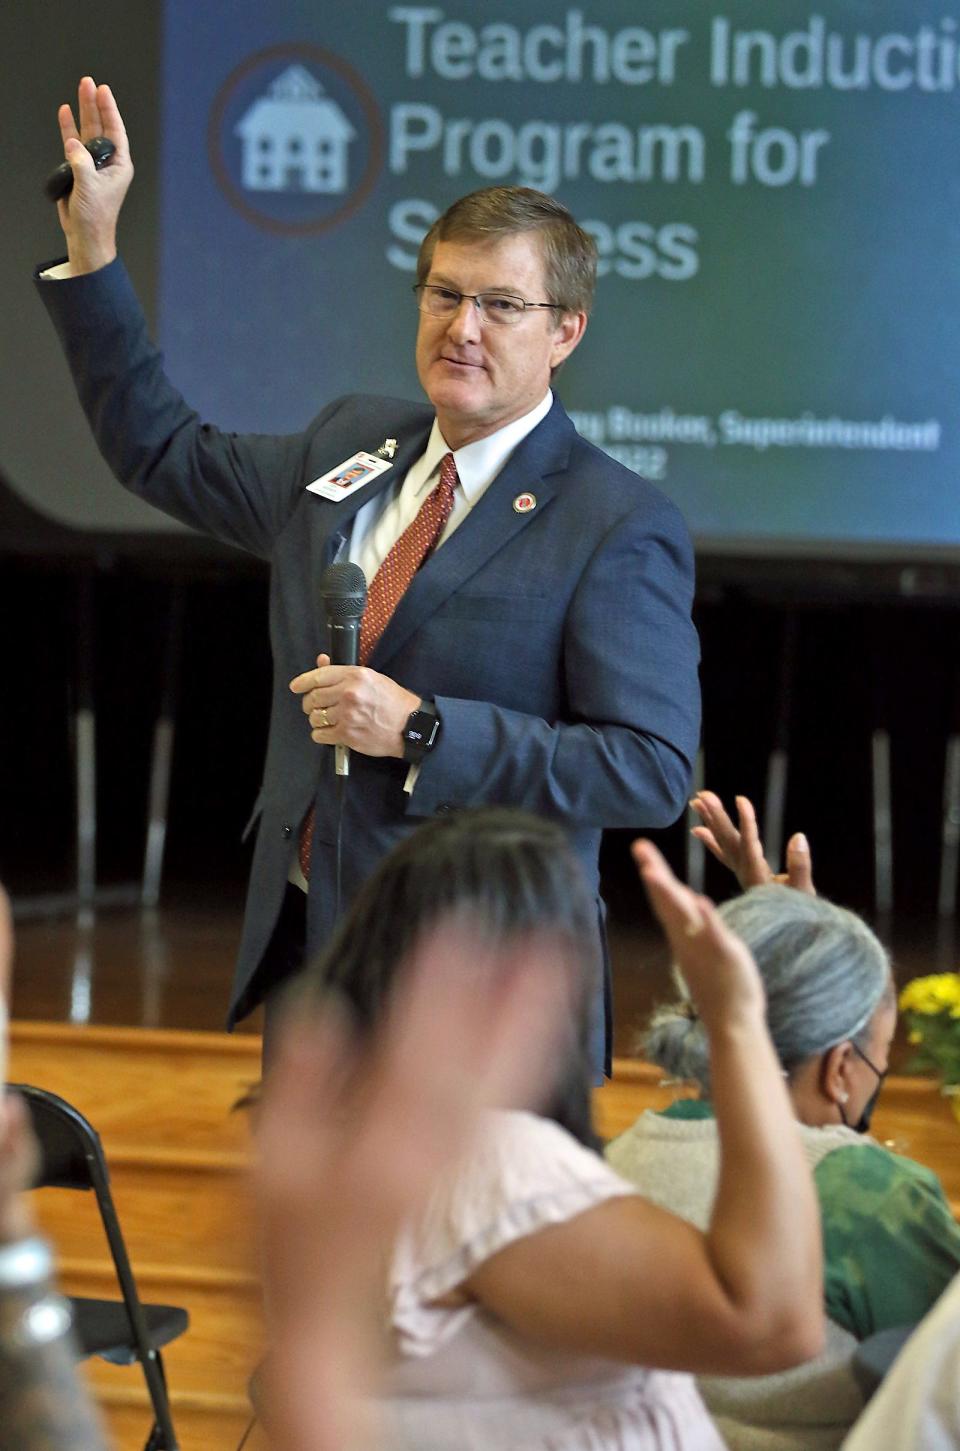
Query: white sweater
(675, 1163)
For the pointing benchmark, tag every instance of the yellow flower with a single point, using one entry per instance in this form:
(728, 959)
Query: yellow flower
(930, 996)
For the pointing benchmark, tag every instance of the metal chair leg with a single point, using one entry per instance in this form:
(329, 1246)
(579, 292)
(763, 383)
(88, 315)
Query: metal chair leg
(162, 1436)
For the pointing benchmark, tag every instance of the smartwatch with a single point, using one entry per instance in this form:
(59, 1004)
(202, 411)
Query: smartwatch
(420, 732)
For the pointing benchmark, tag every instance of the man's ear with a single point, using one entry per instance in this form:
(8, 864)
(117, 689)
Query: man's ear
(835, 1073)
(569, 331)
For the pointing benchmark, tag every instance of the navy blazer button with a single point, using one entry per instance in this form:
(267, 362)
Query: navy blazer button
(445, 807)
(287, 830)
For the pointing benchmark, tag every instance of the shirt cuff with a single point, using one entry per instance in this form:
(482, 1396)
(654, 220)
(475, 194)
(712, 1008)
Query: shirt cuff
(58, 273)
(412, 776)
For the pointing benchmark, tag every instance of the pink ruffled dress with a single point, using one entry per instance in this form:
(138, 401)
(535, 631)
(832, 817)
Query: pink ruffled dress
(461, 1380)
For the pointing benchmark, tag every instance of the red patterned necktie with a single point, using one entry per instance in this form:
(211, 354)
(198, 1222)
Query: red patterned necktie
(390, 584)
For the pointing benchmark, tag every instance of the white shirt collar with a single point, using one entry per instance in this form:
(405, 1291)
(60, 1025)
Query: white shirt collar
(479, 463)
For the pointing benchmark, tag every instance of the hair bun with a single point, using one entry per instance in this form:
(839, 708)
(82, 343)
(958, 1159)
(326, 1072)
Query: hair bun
(676, 1042)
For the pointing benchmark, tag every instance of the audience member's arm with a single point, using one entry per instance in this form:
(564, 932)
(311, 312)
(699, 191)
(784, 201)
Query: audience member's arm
(43, 1406)
(741, 849)
(630, 1281)
(350, 1146)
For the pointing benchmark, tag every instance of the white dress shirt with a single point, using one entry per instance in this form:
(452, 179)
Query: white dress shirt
(378, 524)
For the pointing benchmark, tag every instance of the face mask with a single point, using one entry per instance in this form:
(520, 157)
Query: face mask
(862, 1125)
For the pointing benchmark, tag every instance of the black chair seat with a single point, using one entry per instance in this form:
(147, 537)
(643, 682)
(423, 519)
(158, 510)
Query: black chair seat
(102, 1327)
(125, 1330)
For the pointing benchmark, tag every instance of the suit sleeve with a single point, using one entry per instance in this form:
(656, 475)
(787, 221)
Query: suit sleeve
(622, 755)
(239, 488)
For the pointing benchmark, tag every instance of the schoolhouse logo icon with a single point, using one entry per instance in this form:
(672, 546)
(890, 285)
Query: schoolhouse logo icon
(295, 139)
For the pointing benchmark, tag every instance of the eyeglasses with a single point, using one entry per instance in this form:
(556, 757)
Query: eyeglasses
(880, 1072)
(496, 307)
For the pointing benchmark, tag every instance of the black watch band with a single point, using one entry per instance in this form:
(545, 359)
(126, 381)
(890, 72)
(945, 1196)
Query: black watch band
(420, 732)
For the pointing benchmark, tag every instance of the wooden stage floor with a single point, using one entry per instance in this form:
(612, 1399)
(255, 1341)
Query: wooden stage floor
(171, 967)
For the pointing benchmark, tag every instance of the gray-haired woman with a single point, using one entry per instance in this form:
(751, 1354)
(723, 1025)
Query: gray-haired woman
(891, 1245)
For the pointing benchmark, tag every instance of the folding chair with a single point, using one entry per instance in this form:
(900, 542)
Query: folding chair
(121, 1331)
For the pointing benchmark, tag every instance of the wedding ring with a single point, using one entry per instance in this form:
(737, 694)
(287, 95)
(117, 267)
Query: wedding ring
(325, 724)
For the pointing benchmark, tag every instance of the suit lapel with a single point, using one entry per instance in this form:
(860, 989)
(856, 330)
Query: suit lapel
(489, 526)
(335, 518)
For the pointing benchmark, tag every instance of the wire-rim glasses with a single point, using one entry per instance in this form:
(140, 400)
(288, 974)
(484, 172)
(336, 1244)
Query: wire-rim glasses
(493, 307)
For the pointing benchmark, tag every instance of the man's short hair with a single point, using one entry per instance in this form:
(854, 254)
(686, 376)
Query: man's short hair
(569, 253)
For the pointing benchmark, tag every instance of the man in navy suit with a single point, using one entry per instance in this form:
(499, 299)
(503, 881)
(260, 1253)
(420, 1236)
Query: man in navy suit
(542, 654)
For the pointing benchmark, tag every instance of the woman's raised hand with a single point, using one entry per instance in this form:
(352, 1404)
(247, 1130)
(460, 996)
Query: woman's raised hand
(740, 848)
(716, 965)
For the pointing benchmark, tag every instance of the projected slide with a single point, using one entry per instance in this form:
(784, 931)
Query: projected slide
(774, 190)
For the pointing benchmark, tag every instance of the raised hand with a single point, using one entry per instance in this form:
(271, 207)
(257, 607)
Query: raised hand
(740, 848)
(89, 214)
(716, 965)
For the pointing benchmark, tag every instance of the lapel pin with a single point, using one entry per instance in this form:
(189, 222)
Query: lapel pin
(388, 448)
(523, 503)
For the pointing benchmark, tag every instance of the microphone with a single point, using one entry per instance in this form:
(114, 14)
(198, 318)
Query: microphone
(343, 590)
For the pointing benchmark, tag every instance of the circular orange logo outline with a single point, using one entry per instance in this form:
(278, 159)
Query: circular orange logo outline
(371, 115)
